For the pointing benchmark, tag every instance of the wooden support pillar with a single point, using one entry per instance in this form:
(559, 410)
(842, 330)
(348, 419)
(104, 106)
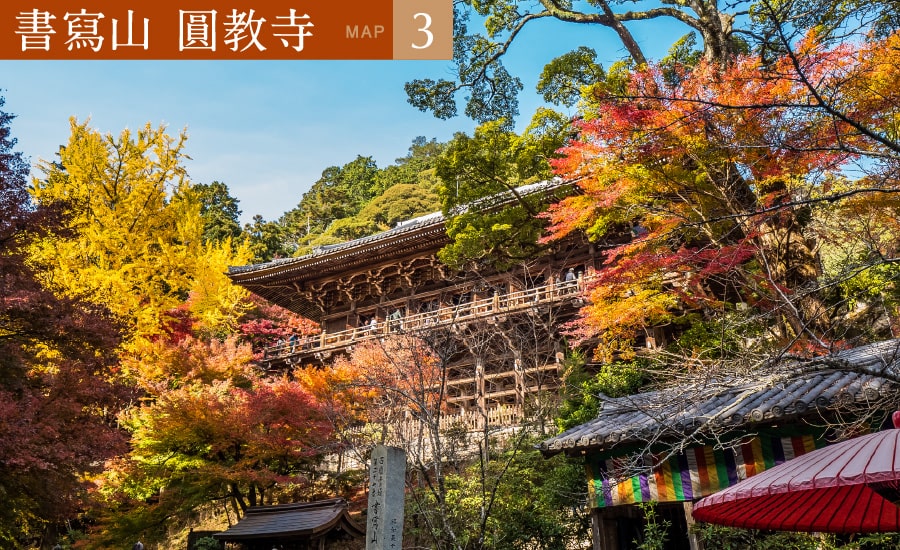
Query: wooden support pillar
(479, 385)
(604, 531)
(693, 539)
(520, 380)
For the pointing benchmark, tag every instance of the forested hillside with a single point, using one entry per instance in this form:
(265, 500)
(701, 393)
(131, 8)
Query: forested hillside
(352, 201)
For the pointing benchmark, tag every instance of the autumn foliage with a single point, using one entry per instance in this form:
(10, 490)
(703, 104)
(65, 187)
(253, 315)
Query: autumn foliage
(702, 181)
(380, 382)
(58, 392)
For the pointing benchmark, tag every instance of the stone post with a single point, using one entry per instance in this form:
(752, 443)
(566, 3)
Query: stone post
(387, 484)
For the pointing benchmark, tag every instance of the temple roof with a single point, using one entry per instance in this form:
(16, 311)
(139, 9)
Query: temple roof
(292, 521)
(785, 390)
(279, 280)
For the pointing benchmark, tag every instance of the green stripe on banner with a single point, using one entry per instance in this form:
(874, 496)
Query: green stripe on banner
(768, 455)
(636, 487)
(676, 478)
(721, 469)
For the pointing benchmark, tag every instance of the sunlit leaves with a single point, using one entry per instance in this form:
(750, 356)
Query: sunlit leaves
(58, 388)
(493, 163)
(706, 182)
(136, 232)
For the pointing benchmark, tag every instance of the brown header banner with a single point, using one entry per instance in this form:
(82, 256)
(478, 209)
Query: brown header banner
(220, 29)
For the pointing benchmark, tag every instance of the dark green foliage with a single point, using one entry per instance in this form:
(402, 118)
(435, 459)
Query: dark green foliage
(491, 91)
(207, 543)
(562, 79)
(682, 56)
(582, 390)
(519, 500)
(266, 239)
(339, 193)
(219, 211)
(359, 199)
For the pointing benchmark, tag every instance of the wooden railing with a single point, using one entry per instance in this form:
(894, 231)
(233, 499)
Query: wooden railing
(498, 416)
(498, 304)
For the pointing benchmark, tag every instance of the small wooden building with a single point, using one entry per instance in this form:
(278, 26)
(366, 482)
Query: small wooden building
(320, 525)
(678, 445)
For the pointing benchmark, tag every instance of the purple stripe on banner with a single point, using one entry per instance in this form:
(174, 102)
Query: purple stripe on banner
(777, 450)
(645, 488)
(685, 477)
(731, 466)
(607, 492)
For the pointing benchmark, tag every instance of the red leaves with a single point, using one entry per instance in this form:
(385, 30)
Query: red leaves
(267, 323)
(703, 173)
(58, 397)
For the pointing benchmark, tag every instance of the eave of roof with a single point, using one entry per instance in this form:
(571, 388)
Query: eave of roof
(301, 520)
(404, 233)
(423, 226)
(844, 378)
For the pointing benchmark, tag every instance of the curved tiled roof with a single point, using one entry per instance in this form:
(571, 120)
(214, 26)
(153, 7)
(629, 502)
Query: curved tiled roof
(300, 521)
(435, 219)
(786, 390)
(415, 225)
(280, 281)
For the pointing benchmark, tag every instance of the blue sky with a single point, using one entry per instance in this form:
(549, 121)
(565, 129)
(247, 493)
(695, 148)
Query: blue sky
(268, 128)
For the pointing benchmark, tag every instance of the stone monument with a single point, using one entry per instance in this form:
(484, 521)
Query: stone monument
(387, 483)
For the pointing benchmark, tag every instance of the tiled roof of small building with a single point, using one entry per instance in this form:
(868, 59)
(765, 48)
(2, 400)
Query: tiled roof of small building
(294, 521)
(788, 389)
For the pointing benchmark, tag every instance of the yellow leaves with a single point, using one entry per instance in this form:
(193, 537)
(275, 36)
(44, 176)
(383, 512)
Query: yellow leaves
(214, 301)
(137, 244)
(616, 318)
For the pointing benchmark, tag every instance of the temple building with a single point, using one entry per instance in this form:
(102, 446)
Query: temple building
(508, 345)
(675, 446)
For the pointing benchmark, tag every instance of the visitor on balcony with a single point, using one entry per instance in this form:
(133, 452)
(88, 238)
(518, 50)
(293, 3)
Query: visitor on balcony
(395, 322)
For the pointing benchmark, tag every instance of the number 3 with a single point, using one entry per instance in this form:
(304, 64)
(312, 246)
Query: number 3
(424, 29)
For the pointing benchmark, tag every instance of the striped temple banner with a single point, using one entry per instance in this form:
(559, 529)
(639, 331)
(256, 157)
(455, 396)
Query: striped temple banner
(695, 473)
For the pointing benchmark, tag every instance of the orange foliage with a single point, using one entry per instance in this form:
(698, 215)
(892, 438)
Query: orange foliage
(379, 379)
(695, 167)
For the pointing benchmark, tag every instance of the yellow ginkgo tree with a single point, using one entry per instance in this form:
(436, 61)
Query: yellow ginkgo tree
(134, 236)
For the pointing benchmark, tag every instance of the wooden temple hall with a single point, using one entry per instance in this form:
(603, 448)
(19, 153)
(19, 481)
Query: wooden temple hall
(504, 324)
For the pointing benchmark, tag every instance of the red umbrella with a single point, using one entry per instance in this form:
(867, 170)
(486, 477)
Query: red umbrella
(849, 487)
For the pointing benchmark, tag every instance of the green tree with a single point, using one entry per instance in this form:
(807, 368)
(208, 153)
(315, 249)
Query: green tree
(219, 211)
(339, 193)
(492, 91)
(265, 239)
(358, 199)
(490, 166)
(409, 169)
(517, 500)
